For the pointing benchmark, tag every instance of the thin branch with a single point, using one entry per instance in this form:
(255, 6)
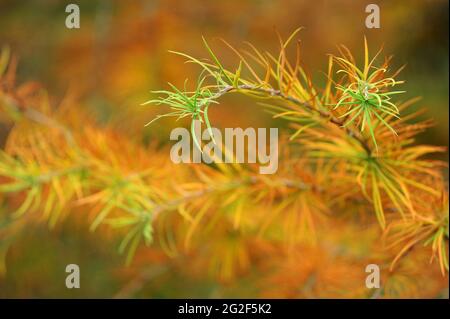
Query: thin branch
(327, 115)
(172, 204)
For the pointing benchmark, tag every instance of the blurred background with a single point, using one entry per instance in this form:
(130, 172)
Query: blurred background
(120, 54)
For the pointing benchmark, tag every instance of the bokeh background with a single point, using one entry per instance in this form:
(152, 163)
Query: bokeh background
(120, 54)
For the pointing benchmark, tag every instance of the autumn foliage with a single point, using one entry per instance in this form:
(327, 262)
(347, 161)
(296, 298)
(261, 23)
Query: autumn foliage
(353, 186)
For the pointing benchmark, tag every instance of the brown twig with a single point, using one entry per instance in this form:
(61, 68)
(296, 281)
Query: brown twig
(324, 114)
